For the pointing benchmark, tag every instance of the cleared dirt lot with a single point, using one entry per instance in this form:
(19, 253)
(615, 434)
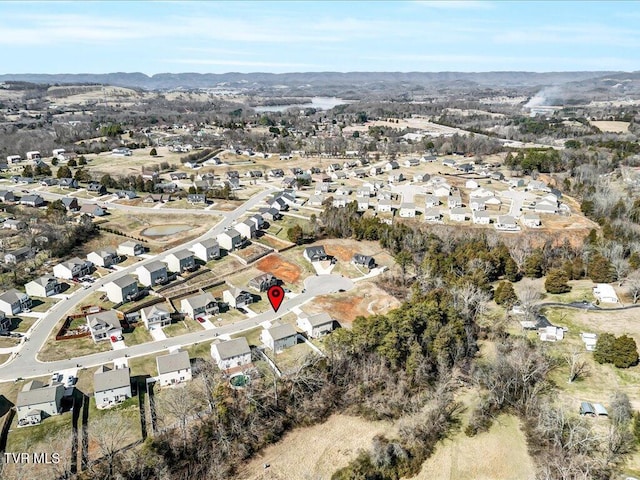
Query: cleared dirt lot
(278, 266)
(315, 452)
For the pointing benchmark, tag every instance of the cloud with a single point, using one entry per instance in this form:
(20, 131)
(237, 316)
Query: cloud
(238, 63)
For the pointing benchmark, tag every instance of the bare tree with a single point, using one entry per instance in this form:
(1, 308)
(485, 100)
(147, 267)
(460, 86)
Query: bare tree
(178, 406)
(578, 367)
(633, 286)
(529, 297)
(110, 432)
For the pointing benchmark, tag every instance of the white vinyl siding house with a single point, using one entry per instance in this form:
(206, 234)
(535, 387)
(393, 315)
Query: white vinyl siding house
(152, 273)
(180, 261)
(122, 289)
(232, 353)
(36, 401)
(279, 337)
(155, 316)
(111, 387)
(174, 368)
(315, 325)
(206, 250)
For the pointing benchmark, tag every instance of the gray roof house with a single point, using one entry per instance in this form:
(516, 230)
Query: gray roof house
(130, 248)
(104, 257)
(44, 286)
(122, 290)
(246, 228)
(202, 304)
(236, 297)
(72, 268)
(315, 254)
(36, 402)
(232, 353)
(152, 273)
(111, 387)
(14, 301)
(364, 260)
(156, 316)
(70, 203)
(104, 325)
(7, 196)
(32, 201)
(279, 337)
(262, 282)
(180, 261)
(230, 239)
(315, 325)
(174, 368)
(19, 255)
(207, 249)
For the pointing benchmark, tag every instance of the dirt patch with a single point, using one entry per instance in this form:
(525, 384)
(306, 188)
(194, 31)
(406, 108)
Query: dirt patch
(611, 127)
(364, 300)
(341, 252)
(252, 252)
(315, 452)
(280, 267)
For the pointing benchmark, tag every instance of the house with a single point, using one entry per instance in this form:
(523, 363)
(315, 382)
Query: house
(315, 254)
(178, 176)
(338, 176)
(126, 194)
(407, 210)
(334, 167)
(432, 214)
(480, 217)
(180, 261)
(276, 173)
(515, 182)
(130, 248)
(7, 196)
(66, 182)
(392, 165)
(465, 167)
(73, 268)
(14, 301)
(174, 368)
(122, 290)
(152, 273)
(339, 202)
(44, 286)
(201, 304)
(258, 220)
(590, 340)
(321, 188)
(230, 240)
(315, 326)
(507, 222)
(428, 158)
(551, 333)
(600, 410)
(270, 214)
(343, 191)
(93, 210)
(206, 250)
(412, 162)
(246, 228)
(363, 260)
(104, 257)
(471, 184)
(19, 255)
(157, 198)
(32, 201)
(96, 187)
(454, 201)
(477, 204)
(13, 224)
(33, 155)
(375, 171)
(196, 199)
(232, 353)
(104, 325)
(384, 205)
(363, 192)
(279, 204)
(605, 293)
(263, 282)
(545, 206)
(443, 190)
(396, 177)
(5, 324)
(315, 200)
(448, 162)
(421, 177)
(531, 220)
(458, 214)
(431, 201)
(237, 298)
(121, 152)
(538, 186)
(279, 337)
(155, 316)
(363, 204)
(111, 387)
(14, 159)
(587, 409)
(70, 203)
(499, 176)
(37, 401)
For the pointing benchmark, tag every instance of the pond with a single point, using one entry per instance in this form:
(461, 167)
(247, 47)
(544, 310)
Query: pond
(164, 230)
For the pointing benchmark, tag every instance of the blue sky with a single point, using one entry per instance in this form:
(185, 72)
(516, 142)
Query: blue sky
(296, 36)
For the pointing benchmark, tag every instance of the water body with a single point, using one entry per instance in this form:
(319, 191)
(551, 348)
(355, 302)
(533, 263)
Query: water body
(164, 230)
(319, 103)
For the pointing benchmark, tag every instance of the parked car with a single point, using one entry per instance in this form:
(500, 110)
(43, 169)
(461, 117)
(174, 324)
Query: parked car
(56, 377)
(200, 319)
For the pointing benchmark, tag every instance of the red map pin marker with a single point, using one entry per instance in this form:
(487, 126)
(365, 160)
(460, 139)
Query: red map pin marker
(276, 296)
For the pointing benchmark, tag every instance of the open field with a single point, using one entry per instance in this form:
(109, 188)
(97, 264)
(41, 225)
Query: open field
(611, 127)
(65, 349)
(499, 454)
(317, 451)
(278, 266)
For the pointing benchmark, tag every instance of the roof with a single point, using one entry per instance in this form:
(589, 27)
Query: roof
(105, 252)
(124, 281)
(105, 379)
(32, 198)
(459, 211)
(232, 348)
(108, 317)
(130, 243)
(153, 309)
(208, 243)
(361, 258)
(181, 254)
(236, 292)
(320, 319)
(199, 301)
(231, 233)
(12, 295)
(37, 394)
(153, 266)
(506, 220)
(173, 362)
(408, 205)
(281, 331)
(44, 280)
(317, 251)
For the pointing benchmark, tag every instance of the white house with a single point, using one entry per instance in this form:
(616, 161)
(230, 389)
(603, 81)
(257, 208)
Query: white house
(237, 298)
(454, 201)
(44, 286)
(315, 325)
(551, 334)
(477, 204)
(180, 261)
(130, 248)
(111, 387)
(155, 316)
(37, 401)
(174, 368)
(507, 222)
(14, 301)
(458, 214)
(432, 214)
(407, 210)
(105, 257)
(104, 325)
(472, 184)
(431, 201)
(363, 204)
(315, 254)
(393, 165)
(201, 304)
(531, 220)
(152, 273)
(605, 293)
(442, 190)
(229, 240)
(122, 290)
(384, 205)
(232, 353)
(246, 229)
(72, 268)
(481, 217)
(206, 250)
(279, 337)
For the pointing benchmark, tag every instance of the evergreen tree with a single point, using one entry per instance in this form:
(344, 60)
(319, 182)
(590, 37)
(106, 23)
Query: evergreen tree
(556, 281)
(505, 294)
(534, 265)
(600, 270)
(625, 352)
(64, 172)
(605, 345)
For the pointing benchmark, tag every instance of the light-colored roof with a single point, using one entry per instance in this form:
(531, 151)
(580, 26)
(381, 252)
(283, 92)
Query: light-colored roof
(506, 220)
(153, 309)
(109, 317)
(199, 301)
(208, 243)
(153, 266)
(181, 254)
(281, 331)
(44, 280)
(232, 348)
(173, 362)
(124, 281)
(111, 379)
(130, 243)
(12, 295)
(320, 319)
(37, 395)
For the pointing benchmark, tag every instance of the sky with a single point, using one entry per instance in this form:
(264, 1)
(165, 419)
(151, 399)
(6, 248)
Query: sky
(304, 36)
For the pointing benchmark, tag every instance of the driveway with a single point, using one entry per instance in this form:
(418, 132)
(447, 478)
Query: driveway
(206, 324)
(157, 333)
(323, 268)
(119, 345)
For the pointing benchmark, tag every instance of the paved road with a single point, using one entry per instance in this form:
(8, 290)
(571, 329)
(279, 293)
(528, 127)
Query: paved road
(26, 363)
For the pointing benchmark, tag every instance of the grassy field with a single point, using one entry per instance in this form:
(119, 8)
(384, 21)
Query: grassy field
(8, 342)
(65, 349)
(22, 324)
(181, 327)
(137, 336)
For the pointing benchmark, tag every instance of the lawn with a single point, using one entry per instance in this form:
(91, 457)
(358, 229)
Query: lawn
(27, 439)
(292, 357)
(8, 342)
(43, 304)
(182, 327)
(65, 349)
(145, 365)
(22, 324)
(252, 336)
(137, 335)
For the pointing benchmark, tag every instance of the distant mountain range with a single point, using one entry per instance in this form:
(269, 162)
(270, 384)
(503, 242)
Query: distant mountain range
(167, 81)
